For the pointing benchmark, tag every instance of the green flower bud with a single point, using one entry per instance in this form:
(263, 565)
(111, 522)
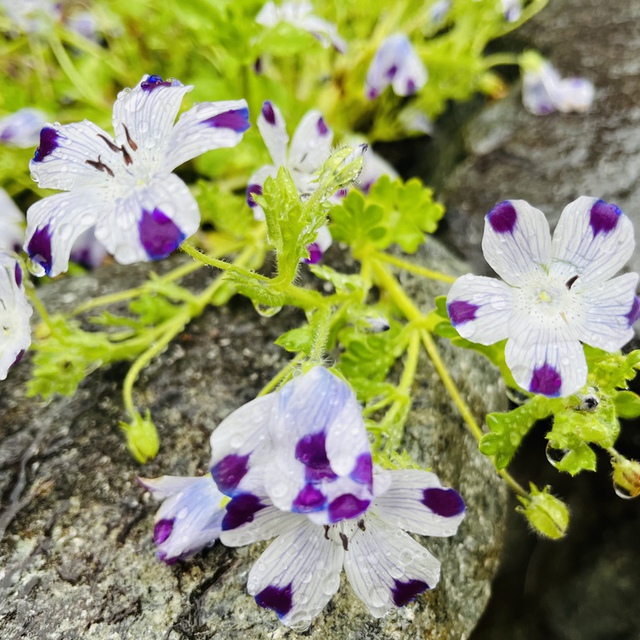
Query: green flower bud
(142, 437)
(547, 514)
(626, 477)
(341, 169)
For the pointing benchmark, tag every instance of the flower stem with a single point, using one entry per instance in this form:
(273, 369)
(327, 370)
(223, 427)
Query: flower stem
(322, 327)
(282, 375)
(414, 268)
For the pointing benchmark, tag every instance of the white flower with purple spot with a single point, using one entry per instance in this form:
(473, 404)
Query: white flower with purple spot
(512, 10)
(300, 15)
(545, 91)
(190, 517)
(124, 186)
(15, 311)
(87, 251)
(395, 63)
(11, 224)
(22, 128)
(439, 11)
(305, 447)
(557, 293)
(310, 148)
(300, 571)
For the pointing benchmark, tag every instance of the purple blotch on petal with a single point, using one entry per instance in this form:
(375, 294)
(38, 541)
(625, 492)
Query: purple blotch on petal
(347, 506)
(241, 510)
(162, 530)
(315, 253)
(546, 380)
(251, 190)
(39, 248)
(311, 451)
(391, 71)
(461, 311)
(322, 126)
(443, 502)
(228, 473)
(404, 592)
(502, 217)
(18, 274)
(277, 599)
(363, 471)
(372, 93)
(237, 119)
(634, 314)
(18, 357)
(309, 499)
(268, 113)
(603, 217)
(411, 86)
(153, 82)
(48, 143)
(158, 234)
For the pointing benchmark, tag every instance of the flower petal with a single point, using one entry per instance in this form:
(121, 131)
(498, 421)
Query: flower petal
(255, 186)
(297, 575)
(318, 247)
(54, 223)
(22, 128)
(546, 359)
(190, 517)
(387, 568)
(15, 312)
(87, 251)
(325, 32)
(208, 125)
(11, 224)
(480, 308)
(593, 240)
(311, 143)
(516, 241)
(609, 312)
(143, 117)
(273, 130)
(76, 156)
(575, 95)
(416, 501)
(373, 168)
(151, 222)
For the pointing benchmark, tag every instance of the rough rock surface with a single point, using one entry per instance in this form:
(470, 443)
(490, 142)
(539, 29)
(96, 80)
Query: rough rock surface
(77, 559)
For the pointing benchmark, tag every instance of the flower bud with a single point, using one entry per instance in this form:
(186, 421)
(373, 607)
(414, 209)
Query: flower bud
(626, 477)
(142, 437)
(341, 169)
(547, 514)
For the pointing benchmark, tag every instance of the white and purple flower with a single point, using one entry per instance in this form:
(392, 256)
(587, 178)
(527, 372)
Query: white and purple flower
(124, 186)
(545, 91)
(11, 224)
(512, 10)
(300, 571)
(300, 15)
(22, 128)
(557, 293)
(15, 312)
(395, 63)
(309, 150)
(190, 517)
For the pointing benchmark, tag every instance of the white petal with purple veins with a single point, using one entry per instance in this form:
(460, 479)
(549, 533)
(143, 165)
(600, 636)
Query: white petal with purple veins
(311, 143)
(386, 567)
(54, 224)
(190, 517)
(608, 313)
(273, 130)
(480, 308)
(547, 359)
(208, 125)
(538, 97)
(297, 575)
(416, 501)
(262, 524)
(593, 240)
(144, 116)
(151, 222)
(516, 241)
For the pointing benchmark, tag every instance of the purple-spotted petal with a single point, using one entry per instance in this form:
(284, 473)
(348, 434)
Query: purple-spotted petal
(159, 235)
(480, 308)
(22, 128)
(54, 224)
(317, 248)
(593, 240)
(387, 568)
(547, 360)
(516, 241)
(87, 251)
(575, 95)
(273, 130)
(311, 143)
(255, 186)
(241, 510)
(229, 472)
(206, 126)
(297, 575)
(540, 89)
(190, 517)
(416, 501)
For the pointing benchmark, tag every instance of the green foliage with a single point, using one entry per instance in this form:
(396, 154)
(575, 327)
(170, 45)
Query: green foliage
(297, 340)
(627, 404)
(547, 514)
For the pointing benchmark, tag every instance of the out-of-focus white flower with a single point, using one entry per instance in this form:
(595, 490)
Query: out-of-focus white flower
(439, 11)
(300, 15)
(512, 10)
(22, 128)
(32, 16)
(124, 186)
(397, 64)
(556, 293)
(11, 224)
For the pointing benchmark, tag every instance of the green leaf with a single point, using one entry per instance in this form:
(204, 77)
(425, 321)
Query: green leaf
(627, 404)
(579, 458)
(297, 340)
(341, 281)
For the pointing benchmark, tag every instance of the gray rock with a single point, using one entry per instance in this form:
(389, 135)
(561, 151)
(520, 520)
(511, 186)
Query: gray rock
(77, 558)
